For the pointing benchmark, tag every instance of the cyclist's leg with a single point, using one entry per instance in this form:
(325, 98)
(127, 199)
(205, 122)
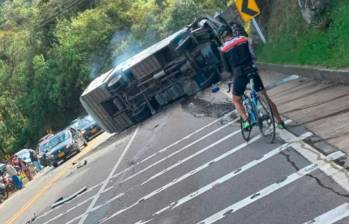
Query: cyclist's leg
(239, 87)
(259, 86)
(239, 107)
(272, 105)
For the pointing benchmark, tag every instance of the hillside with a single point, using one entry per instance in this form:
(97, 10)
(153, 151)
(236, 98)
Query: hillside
(292, 41)
(50, 50)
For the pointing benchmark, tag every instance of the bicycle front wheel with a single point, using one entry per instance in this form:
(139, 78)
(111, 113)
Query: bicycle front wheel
(266, 121)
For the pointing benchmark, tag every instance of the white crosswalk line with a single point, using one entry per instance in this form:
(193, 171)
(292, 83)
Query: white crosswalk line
(54, 218)
(108, 201)
(174, 143)
(180, 150)
(90, 207)
(190, 157)
(332, 216)
(259, 195)
(185, 176)
(144, 222)
(228, 176)
(186, 159)
(151, 156)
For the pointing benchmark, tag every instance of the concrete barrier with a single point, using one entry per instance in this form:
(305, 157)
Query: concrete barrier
(317, 73)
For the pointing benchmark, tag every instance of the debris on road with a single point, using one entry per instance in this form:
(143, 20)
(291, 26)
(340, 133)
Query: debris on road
(61, 200)
(203, 108)
(32, 219)
(79, 164)
(82, 164)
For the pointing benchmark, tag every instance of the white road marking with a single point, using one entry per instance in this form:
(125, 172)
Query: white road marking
(74, 219)
(174, 143)
(128, 146)
(259, 195)
(54, 218)
(153, 155)
(180, 162)
(229, 176)
(144, 222)
(108, 201)
(339, 174)
(82, 203)
(178, 151)
(77, 205)
(332, 216)
(185, 176)
(188, 158)
(69, 202)
(69, 210)
(235, 172)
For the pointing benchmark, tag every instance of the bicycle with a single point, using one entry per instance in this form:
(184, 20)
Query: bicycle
(259, 112)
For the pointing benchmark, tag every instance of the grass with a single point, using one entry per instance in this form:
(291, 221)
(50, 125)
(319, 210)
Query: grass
(292, 41)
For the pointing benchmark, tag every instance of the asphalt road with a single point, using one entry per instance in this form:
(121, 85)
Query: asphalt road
(186, 167)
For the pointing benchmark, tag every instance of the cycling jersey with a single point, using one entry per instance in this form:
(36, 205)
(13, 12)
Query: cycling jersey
(237, 54)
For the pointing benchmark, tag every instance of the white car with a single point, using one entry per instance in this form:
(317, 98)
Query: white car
(24, 154)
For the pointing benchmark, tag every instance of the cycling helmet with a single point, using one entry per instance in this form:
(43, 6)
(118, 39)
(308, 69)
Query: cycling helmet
(237, 30)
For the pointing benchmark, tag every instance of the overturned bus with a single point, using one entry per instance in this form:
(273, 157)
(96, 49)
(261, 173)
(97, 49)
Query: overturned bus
(180, 65)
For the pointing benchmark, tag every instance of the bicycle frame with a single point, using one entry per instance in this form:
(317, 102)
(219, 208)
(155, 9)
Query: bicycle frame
(258, 114)
(251, 103)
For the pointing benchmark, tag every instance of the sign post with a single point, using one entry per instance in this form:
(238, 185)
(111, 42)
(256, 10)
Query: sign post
(261, 35)
(248, 10)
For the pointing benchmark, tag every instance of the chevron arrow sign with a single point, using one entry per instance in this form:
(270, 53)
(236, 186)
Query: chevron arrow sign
(248, 9)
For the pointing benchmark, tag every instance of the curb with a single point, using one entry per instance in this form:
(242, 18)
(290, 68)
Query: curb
(321, 145)
(317, 73)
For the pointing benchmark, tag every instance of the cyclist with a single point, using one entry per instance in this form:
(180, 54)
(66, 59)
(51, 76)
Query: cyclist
(238, 57)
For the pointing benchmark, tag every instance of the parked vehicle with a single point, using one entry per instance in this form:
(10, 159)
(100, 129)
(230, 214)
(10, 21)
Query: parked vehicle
(62, 145)
(43, 147)
(24, 154)
(2, 168)
(4, 183)
(87, 126)
(3, 191)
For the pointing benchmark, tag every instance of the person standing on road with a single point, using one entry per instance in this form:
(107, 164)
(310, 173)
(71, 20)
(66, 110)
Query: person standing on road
(25, 168)
(35, 160)
(14, 161)
(12, 172)
(239, 59)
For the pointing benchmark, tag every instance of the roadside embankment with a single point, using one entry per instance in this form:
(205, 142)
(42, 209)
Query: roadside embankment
(321, 107)
(290, 40)
(340, 76)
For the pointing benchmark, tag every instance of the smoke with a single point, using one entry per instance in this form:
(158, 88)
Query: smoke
(95, 66)
(123, 46)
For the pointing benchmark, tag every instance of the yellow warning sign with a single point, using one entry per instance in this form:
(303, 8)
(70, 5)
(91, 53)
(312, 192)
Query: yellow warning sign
(248, 9)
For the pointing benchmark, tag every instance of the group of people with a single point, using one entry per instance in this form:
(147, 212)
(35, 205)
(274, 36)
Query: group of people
(17, 169)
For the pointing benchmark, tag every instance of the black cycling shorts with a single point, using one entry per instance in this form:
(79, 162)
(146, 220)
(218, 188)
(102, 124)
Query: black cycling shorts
(241, 81)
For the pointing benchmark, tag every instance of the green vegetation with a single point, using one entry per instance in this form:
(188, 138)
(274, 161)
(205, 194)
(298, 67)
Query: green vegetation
(292, 41)
(51, 49)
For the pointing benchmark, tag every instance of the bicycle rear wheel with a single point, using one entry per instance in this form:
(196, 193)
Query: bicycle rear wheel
(266, 121)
